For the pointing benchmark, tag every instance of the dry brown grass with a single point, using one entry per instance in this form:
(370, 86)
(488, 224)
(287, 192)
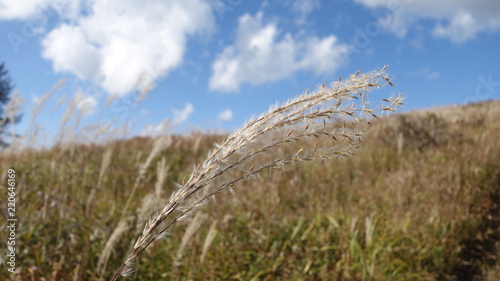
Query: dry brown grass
(416, 214)
(326, 124)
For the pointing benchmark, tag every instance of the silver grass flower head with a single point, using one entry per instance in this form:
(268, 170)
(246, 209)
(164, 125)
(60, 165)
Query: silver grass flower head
(328, 123)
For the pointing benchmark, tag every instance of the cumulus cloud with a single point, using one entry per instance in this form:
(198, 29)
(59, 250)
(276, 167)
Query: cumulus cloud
(162, 128)
(259, 55)
(303, 8)
(166, 126)
(83, 60)
(181, 116)
(225, 115)
(461, 27)
(119, 44)
(84, 103)
(22, 10)
(456, 20)
(19, 9)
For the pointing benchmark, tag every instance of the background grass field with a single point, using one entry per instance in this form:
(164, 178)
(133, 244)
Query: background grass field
(419, 201)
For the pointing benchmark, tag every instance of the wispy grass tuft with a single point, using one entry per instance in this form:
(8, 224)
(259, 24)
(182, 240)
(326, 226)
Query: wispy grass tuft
(325, 124)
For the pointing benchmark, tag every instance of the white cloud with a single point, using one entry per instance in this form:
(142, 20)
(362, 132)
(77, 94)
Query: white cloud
(225, 115)
(118, 43)
(145, 112)
(19, 9)
(457, 20)
(162, 128)
(22, 10)
(426, 73)
(84, 103)
(461, 28)
(303, 8)
(83, 60)
(166, 126)
(433, 75)
(258, 55)
(323, 55)
(181, 116)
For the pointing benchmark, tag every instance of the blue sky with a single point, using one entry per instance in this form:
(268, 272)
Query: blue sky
(215, 63)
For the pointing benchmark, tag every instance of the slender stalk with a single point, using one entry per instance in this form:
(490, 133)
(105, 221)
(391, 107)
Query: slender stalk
(325, 124)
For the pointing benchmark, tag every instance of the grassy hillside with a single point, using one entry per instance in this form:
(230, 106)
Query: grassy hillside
(419, 201)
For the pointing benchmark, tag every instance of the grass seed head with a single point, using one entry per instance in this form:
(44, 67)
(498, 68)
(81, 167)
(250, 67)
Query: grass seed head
(326, 124)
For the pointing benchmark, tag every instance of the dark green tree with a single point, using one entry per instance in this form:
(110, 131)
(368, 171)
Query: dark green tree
(5, 90)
